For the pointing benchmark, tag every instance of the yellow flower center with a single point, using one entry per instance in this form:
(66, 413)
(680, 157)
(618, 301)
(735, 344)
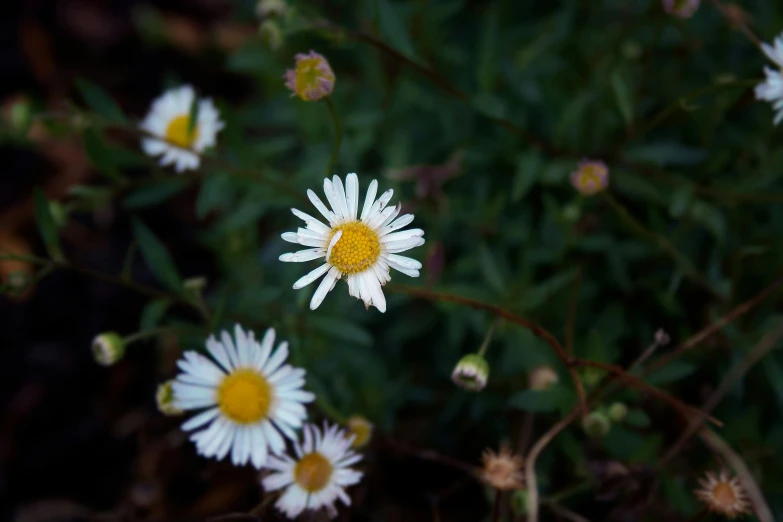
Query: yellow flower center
(723, 493)
(361, 429)
(357, 250)
(590, 176)
(312, 472)
(179, 133)
(308, 74)
(244, 396)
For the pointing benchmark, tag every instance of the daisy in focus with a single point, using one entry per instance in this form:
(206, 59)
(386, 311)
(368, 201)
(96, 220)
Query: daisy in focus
(170, 119)
(250, 396)
(591, 177)
(723, 495)
(317, 477)
(312, 77)
(771, 89)
(362, 250)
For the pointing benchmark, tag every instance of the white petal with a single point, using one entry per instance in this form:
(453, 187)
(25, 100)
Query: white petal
(352, 194)
(332, 242)
(312, 276)
(339, 190)
(369, 199)
(323, 289)
(200, 419)
(318, 204)
(303, 255)
(312, 222)
(402, 235)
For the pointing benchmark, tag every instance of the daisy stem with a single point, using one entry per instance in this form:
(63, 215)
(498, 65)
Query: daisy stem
(338, 136)
(488, 338)
(153, 332)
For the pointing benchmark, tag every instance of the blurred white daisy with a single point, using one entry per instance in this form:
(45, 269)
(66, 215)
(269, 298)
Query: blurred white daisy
(170, 119)
(362, 250)
(771, 89)
(319, 474)
(250, 395)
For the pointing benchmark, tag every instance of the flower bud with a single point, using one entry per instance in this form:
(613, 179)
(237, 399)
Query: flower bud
(108, 348)
(311, 78)
(542, 378)
(164, 396)
(271, 34)
(596, 424)
(361, 429)
(471, 372)
(617, 412)
(591, 177)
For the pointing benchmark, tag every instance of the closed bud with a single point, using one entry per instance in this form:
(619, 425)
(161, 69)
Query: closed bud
(596, 424)
(270, 34)
(271, 8)
(471, 372)
(59, 213)
(542, 378)
(164, 396)
(361, 429)
(617, 412)
(108, 348)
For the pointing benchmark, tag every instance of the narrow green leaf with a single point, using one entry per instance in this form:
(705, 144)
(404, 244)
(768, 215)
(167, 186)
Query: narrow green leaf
(623, 97)
(392, 26)
(527, 171)
(489, 105)
(154, 193)
(156, 256)
(338, 328)
(671, 372)
(100, 156)
(153, 314)
(99, 101)
(491, 270)
(46, 224)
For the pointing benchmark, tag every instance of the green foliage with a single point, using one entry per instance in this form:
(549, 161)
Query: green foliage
(690, 229)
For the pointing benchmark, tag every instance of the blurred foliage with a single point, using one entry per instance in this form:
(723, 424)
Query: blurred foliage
(496, 103)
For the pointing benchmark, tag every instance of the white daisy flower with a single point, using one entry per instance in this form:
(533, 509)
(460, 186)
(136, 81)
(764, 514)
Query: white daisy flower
(169, 118)
(319, 474)
(250, 395)
(361, 250)
(771, 89)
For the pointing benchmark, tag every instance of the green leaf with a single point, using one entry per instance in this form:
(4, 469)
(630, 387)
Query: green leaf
(623, 97)
(156, 256)
(490, 269)
(153, 313)
(671, 372)
(338, 328)
(538, 400)
(216, 193)
(637, 417)
(46, 224)
(393, 28)
(155, 193)
(489, 105)
(100, 156)
(527, 172)
(99, 101)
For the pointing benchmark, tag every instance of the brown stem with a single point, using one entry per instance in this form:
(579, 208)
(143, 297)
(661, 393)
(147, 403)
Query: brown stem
(530, 462)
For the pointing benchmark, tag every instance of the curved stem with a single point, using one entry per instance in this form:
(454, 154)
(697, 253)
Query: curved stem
(338, 136)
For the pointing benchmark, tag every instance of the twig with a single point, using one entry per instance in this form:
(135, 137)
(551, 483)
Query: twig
(431, 455)
(736, 22)
(535, 329)
(767, 343)
(703, 334)
(530, 463)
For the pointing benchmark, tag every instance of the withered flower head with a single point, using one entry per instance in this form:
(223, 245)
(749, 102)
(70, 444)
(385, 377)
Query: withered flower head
(723, 495)
(502, 470)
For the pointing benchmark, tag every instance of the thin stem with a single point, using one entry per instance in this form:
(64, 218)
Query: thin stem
(338, 136)
(530, 462)
(496, 506)
(685, 264)
(154, 332)
(767, 343)
(737, 22)
(487, 338)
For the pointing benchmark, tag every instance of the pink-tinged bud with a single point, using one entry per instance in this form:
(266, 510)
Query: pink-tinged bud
(312, 78)
(591, 177)
(680, 8)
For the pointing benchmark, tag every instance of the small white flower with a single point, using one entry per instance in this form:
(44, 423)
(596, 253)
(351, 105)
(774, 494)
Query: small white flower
(319, 474)
(362, 250)
(250, 395)
(169, 119)
(771, 89)
(108, 348)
